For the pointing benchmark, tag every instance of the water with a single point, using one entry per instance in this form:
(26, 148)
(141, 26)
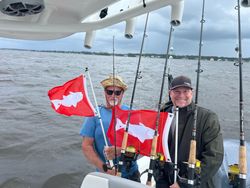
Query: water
(41, 149)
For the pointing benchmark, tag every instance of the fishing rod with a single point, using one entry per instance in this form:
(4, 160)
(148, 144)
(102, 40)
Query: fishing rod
(97, 113)
(137, 75)
(192, 151)
(242, 149)
(170, 76)
(114, 102)
(240, 181)
(153, 155)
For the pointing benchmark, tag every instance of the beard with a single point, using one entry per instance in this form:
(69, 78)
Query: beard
(113, 102)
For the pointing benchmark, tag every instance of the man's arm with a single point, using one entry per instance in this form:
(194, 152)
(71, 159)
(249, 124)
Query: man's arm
(109, 151)
(212, 147)
(91, 155)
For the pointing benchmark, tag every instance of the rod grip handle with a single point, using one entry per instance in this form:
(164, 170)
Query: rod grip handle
(154, 146)
(125, 140)
(243, 160)
(192, 152)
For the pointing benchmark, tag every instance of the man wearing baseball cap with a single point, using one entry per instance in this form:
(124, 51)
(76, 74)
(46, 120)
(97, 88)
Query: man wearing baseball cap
(93, 144)
(209, 143)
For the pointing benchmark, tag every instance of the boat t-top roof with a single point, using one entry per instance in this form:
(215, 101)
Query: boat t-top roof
(53, 19)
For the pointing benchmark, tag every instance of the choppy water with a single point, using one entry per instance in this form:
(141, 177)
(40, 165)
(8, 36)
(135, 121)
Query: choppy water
(39, 148)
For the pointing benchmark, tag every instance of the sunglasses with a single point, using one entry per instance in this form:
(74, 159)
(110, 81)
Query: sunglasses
(116, 92)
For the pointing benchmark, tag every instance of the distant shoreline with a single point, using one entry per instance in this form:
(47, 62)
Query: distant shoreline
(150, 55)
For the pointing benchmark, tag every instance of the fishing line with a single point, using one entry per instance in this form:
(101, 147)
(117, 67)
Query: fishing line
(137, 75)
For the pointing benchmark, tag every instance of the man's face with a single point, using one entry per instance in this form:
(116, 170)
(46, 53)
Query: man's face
(181, 96)
(113, 96)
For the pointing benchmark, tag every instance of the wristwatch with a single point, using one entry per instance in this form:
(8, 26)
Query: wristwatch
(104, 167)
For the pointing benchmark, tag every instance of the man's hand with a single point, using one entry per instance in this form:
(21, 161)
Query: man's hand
(109, 152)
(175, 185)
(111, 172)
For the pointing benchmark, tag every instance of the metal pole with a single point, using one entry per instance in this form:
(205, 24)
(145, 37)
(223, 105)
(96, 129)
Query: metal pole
(98, 115)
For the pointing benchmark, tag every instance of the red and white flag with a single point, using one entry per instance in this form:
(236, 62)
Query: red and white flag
(141, 130)
(71, 98)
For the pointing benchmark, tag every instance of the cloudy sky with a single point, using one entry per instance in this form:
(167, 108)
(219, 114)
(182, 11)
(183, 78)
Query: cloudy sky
(219, 36)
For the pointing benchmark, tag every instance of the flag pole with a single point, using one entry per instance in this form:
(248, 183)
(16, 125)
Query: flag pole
(176, 142)
(97, 113)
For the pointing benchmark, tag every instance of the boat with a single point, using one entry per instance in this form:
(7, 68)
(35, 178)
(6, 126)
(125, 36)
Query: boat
(54, 19)
(221, 178)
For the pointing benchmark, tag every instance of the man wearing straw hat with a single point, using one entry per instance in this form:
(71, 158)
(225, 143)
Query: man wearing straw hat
(93, 144)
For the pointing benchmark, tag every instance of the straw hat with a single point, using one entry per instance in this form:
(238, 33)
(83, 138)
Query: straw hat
(114, 81)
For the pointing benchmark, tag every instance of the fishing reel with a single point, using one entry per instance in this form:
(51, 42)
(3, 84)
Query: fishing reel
(162, 169)
(233, 175)
(106, 167)
(197, 174)
(130, 155)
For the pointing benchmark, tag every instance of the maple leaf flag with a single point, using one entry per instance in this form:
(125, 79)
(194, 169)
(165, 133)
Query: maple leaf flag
(141, 130)
(71, 98)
